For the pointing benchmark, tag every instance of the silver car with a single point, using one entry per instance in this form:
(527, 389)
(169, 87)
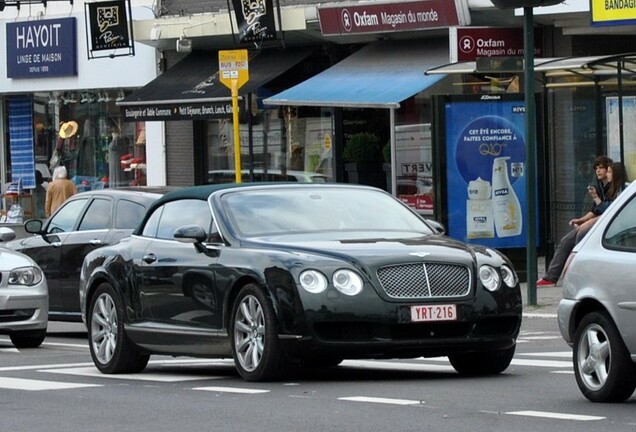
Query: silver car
(24, 297)
(597, 315)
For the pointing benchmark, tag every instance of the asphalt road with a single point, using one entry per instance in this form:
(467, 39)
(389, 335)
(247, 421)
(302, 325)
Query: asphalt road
(56, 388)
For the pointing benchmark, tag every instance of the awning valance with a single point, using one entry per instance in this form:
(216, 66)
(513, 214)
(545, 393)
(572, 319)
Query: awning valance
(379, 75)
(191, 89)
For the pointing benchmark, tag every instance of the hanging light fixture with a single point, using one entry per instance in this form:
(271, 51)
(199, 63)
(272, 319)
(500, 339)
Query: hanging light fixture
(52, 99)
(120, 95)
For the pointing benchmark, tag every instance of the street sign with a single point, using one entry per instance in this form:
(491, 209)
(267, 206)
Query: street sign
(233, 66)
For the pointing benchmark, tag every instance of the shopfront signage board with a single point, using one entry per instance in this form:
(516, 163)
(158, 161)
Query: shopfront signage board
(42, 48)
(388, 17)
(612, 12)
(470, 43)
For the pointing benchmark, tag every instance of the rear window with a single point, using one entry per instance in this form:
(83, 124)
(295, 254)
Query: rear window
(129, 214)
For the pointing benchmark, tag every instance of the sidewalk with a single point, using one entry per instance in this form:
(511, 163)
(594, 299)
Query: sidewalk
(547, 298)
(546, 304)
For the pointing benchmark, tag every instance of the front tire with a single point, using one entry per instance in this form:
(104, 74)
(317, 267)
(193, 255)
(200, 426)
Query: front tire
(482, 363)
(255, 345)
(602, 364)
(111, 350)
(28, 339)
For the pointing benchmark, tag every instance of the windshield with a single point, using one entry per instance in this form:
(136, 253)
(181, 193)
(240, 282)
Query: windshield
(273, 212)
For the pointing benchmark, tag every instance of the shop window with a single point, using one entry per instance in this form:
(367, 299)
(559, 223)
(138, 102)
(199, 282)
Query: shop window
(287, 144)
(84, 131)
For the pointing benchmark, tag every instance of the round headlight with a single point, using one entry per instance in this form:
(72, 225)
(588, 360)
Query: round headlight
(313, 281)
(489, 277)
(509, 276)
(347, 282)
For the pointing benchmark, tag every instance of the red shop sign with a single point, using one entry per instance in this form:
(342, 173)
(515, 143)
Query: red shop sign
(388, 17)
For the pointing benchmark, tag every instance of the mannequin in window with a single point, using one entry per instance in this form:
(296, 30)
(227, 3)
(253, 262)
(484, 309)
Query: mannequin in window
(87, 154)
(67, 146)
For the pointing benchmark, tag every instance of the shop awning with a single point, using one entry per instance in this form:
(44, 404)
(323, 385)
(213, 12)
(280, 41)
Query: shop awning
(191, 89)
(592, 65)
(379, 75)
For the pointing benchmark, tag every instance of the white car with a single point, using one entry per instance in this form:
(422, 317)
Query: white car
(597, 315)
(24, 297)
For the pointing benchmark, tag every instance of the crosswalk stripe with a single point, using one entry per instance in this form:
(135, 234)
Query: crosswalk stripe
(142, 376)
(380, 400)
(36, 385)
(231, 390)
(554, 415)
(372, 364)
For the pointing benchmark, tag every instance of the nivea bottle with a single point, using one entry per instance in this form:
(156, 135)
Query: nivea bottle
(505, 204)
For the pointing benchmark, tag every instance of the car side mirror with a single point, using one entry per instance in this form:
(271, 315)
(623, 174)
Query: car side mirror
(438, 227)
(190, 234)
(33, 226)
(6, 234)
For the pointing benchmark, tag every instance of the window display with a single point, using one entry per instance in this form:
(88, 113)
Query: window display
(97, 148)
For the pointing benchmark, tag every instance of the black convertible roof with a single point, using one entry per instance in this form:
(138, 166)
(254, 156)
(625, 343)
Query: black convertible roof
(194, 192)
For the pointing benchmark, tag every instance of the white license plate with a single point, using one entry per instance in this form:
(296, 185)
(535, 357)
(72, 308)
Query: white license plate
(447, 312)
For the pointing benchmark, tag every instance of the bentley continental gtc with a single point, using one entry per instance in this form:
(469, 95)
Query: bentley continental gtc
(285, 276)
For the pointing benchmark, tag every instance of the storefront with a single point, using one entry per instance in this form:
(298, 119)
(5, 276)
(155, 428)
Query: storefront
(57, 107)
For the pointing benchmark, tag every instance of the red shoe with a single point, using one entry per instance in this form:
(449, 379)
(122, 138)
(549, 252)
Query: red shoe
(545, 283)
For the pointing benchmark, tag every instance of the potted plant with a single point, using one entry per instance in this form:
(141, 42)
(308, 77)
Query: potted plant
(363, 159)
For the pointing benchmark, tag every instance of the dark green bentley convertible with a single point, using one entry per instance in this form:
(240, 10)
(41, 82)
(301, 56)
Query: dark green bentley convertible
(281, 276)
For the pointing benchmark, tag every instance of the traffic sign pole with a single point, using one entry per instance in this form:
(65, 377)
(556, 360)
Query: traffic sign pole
(237, 140)
(233, 73)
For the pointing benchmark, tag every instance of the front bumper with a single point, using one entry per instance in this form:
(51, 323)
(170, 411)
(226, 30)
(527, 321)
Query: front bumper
(367, 326)
(24, 308)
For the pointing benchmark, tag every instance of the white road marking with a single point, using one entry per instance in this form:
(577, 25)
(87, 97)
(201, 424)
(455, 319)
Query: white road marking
(520, 362)
(10, 350)
(570, 372)
(535, 338)
(554, 415)
(541, 363)
(560, 354)
(381, 400)
(231, 390)
(373, 364)
(36, 385)
(51, 366)
(142, 376)
(539, 315)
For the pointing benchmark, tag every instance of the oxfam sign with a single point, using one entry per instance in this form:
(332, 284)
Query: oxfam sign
(42, 48)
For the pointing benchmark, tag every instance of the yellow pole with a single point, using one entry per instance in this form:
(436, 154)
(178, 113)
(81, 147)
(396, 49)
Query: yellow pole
(237, 139)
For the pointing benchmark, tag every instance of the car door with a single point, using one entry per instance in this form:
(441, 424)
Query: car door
(46, 248)
(90, 234)
(618, 258)
(176, 281)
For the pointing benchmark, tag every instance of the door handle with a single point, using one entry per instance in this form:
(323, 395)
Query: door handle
(95, 242)
(149, 259)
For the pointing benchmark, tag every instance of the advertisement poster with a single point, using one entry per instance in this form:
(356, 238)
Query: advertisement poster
(629, 133)
(415, 167)
(485, 165)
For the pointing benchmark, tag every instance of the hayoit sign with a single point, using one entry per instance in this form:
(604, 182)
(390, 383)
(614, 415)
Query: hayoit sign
(42, 48)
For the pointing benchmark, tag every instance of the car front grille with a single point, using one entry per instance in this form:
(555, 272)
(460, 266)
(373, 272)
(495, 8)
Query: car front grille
(424, 280)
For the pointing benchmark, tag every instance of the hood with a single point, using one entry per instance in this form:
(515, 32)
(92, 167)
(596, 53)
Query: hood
(10, 260)
(380, 250)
